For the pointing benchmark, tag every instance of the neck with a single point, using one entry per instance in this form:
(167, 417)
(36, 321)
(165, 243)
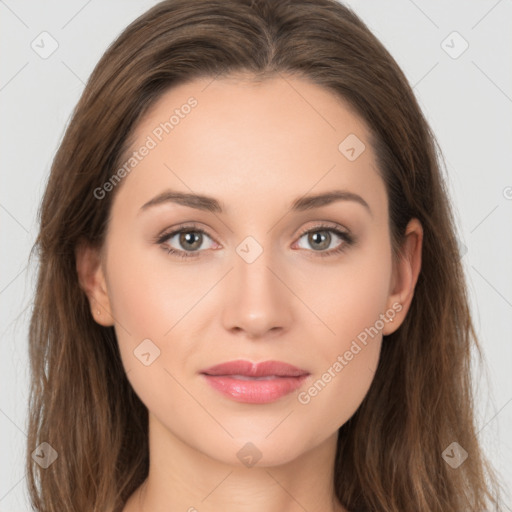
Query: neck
(183, 478)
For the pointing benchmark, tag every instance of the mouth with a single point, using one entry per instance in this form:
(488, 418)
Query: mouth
(247, 369)
(243, 381)
(246, 377)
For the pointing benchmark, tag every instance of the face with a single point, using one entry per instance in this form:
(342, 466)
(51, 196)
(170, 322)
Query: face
(256, 271)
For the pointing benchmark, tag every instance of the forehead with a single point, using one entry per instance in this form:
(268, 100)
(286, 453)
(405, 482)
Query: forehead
(283, 136)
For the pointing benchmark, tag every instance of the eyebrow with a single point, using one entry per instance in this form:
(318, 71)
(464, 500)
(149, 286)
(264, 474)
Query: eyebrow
(210, 204)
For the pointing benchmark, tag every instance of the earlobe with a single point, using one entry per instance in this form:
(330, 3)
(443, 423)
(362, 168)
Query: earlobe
(91, 279)
(405, 275)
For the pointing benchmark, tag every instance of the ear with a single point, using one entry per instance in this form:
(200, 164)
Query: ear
(405, 275)
(92, 281)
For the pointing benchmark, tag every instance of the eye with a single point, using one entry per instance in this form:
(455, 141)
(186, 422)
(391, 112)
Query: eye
(320, 238)
(188, 238)
(187, 241)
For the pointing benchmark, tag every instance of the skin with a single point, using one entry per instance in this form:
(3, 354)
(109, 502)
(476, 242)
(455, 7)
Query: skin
(254, 146)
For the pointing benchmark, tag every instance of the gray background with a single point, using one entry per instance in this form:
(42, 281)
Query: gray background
(467, 100)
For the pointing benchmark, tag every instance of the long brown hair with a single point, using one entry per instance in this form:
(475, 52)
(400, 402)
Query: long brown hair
(389, 454)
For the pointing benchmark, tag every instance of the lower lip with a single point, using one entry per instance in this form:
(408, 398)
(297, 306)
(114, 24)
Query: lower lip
(255, 391)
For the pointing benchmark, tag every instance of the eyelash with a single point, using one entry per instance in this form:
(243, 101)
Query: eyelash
(347, 238)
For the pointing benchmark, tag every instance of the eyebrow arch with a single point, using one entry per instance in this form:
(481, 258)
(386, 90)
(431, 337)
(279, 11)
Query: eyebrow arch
(206, 203)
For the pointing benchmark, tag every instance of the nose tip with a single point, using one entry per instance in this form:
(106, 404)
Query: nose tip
(257, 303)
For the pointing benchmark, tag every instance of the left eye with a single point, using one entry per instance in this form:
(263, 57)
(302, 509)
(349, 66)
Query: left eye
(322, 237)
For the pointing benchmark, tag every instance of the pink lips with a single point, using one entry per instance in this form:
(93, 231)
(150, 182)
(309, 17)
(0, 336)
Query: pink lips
(244, 381)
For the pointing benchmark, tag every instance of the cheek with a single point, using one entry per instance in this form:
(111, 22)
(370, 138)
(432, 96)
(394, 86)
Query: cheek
(147, 300)
(349, 297)
(350, 302)
(346, 361)
(153, 298)
(148, 294)
(335, 393)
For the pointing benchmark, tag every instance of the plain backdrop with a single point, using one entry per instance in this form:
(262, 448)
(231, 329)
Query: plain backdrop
(465, 93)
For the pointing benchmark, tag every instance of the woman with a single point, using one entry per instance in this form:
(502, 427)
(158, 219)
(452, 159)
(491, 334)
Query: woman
(250, 296)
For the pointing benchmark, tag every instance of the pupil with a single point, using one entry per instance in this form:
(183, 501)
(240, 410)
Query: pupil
(323, 238)
(189, 237)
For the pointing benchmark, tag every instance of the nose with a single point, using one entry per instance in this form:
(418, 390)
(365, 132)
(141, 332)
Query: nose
(257, 301)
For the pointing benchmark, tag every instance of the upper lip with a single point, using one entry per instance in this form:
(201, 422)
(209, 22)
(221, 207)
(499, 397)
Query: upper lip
(263, 369)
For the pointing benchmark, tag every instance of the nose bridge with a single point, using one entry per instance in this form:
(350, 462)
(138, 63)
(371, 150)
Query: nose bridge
(257, 301)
